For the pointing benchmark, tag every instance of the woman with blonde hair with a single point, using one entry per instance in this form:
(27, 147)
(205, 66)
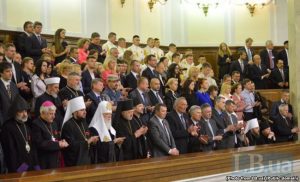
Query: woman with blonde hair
(171, 93)
(224, 59)
(60, 46)
(63, 70)
(83, 45)
(110, 67)
(225, 91)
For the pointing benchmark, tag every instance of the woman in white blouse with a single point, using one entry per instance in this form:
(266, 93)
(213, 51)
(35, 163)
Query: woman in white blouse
(38, 85)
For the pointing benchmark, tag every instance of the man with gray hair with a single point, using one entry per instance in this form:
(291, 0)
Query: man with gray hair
(46, 137)
(268, 55)
(223, 122)
(209, 128)
(283, 126)
(178, 122)
(195, 138)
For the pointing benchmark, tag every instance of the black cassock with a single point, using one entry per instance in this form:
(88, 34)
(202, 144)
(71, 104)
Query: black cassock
(103, 152)
(59, 114)
(76, 132)
(68, 93)
(124, 128)
(45, 137)
(17, 158)
(142, 142)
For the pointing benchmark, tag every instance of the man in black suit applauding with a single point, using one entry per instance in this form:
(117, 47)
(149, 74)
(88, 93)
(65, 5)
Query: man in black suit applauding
(178, 122)
(258, 73)
(161, 137)
(36, 45)
(284, 127)
(154, 93)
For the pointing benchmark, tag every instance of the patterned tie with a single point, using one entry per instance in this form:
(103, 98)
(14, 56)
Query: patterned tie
(230, 117)
(249, 54)
(8, 90)
(242, 66)
(271, 59)
(183, 121)
(167, 132)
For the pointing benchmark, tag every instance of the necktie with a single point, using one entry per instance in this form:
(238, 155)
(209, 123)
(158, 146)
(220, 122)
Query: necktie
(183, 121)
(286, 121)
(282, 75)
(144, 98)
(8, 90)
(99, 98)
(138, 76)
(235, 139)
(167, 132)
(40, 39)
(242, 66)
(271, 59)
(249, 54)
(158, 98)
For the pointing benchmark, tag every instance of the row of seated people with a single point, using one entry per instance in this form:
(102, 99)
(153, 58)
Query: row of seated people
(129, 129)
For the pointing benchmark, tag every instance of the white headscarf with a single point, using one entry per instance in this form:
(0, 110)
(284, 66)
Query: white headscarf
(99, 124)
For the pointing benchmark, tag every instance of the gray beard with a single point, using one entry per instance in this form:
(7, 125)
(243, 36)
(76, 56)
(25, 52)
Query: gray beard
(77, 87)
(21, 119)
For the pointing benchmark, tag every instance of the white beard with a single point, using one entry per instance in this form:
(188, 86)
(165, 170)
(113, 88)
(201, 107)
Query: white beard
(77, 87)
(108, 124)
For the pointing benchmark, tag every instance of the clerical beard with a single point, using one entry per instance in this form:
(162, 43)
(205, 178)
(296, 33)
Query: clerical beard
(21, 119)
(107, 123)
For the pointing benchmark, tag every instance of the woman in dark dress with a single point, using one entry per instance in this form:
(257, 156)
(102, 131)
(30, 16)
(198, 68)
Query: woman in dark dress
(189, 93)
(60, 46)
(224, 59)
(171, 93)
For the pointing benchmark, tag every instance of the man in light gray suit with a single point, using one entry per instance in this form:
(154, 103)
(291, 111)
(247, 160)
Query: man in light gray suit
(161, 138)
(232, 138)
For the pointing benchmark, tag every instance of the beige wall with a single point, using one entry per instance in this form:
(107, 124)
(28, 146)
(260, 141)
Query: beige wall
(176, 22)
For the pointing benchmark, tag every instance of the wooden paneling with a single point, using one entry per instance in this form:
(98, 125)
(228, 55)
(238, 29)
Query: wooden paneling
(160, 169)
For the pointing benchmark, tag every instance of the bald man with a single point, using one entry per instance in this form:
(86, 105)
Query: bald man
(258, 73)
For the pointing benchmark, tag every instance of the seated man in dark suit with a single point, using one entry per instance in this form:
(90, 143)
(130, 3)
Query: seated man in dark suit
(88, 75)
(151, 64)
(235, 77)
(258, 73)
(36, 45)
(240, 65)
(283, 55)
(210, 129)
(96, 96)
(122, 69)
(154, 92)
(161, 137)
(178, 122)
(8, 91)
(21, 38)
(284, 127)
(268, 55)
(132, 77)
(73, 55)
(141, 93)
(279, 76)
(285, 97)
